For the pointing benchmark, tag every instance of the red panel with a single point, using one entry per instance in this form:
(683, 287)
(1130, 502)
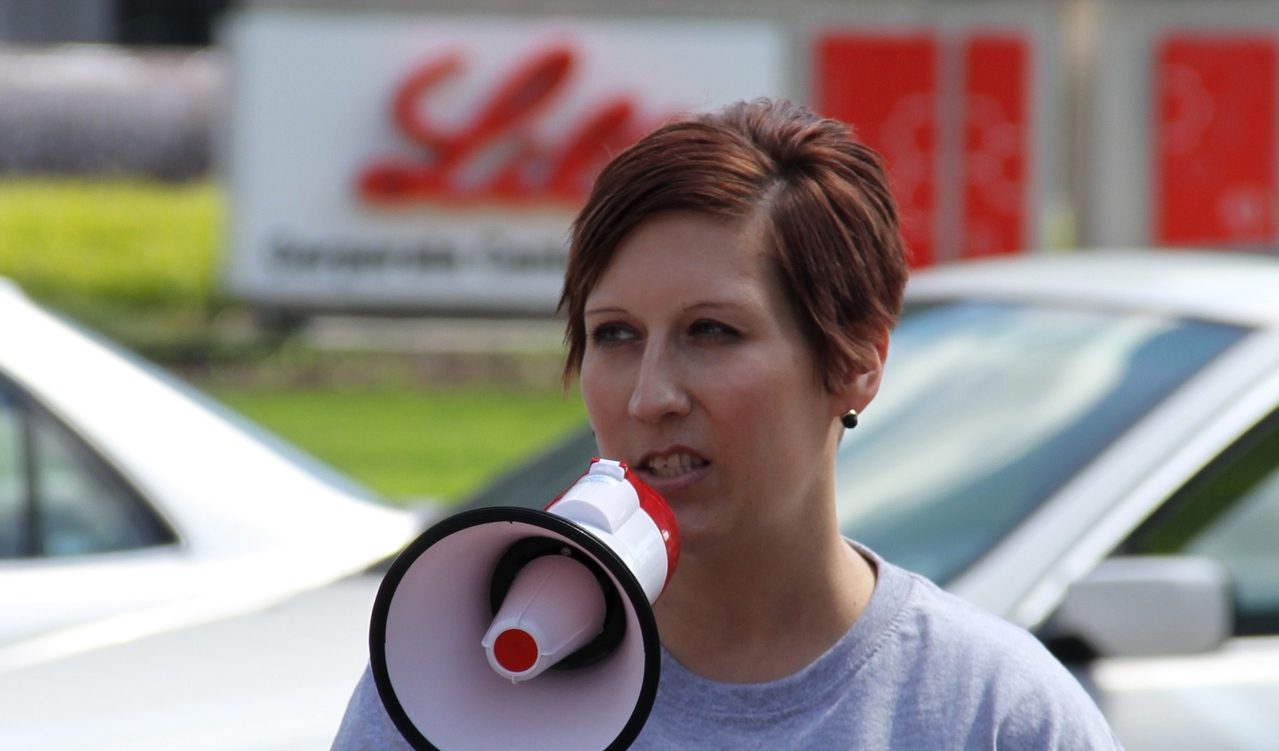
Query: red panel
(1215, 140)
(995, 144)
(885, 86)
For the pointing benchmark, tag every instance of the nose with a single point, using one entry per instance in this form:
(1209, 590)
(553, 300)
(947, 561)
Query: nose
(659, 390)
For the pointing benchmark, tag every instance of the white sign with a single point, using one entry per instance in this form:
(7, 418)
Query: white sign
(422, 163)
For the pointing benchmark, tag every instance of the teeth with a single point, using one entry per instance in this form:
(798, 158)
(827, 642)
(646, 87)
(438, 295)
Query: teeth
(671, 465)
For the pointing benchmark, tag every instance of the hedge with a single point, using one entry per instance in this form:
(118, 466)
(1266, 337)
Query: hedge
(115, 242)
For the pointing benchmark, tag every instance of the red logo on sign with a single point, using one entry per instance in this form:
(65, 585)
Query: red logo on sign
(1215, 141)
(890, 89)
(885, 87)
(495, 157)
(995, 154)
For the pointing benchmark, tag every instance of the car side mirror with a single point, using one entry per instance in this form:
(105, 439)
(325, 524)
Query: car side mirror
(1149, 605)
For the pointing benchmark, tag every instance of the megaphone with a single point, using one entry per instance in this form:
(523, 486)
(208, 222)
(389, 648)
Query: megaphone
(505, 628)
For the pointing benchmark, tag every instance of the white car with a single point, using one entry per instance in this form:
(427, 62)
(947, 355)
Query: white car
(130, 505)
(1086, 445)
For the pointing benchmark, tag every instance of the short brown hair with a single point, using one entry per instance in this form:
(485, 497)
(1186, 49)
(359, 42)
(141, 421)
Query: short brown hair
(831, 219)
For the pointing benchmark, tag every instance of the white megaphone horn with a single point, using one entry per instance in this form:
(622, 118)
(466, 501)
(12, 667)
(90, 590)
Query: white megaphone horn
(505, 627)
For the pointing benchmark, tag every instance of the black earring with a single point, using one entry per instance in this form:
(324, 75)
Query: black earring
(849, 419)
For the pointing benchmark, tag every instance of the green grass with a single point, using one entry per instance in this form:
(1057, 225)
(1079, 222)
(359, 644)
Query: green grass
(119, 242)
(442, 443)
(138, 261)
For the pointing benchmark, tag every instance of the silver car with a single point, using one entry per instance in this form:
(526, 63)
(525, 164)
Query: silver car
(1086, 445)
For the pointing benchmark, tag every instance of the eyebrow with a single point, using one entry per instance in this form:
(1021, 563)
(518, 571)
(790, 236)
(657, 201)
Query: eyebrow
(597, 311)
(694, 306)
(700, 305)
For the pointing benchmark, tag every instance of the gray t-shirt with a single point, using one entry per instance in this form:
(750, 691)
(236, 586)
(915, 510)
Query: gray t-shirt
(920, 669)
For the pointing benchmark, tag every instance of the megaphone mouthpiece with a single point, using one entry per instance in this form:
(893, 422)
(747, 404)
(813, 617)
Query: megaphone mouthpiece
(554, 607)
(515, 651)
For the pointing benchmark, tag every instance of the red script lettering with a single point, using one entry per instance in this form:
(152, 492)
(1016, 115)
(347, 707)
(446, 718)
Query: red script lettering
(494, 157)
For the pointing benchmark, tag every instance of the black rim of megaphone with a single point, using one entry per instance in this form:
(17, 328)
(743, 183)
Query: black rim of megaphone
(543, 520)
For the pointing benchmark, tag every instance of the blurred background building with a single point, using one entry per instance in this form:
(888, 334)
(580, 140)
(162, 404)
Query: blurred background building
(95, 108)
(131, 22)
(1008, 125)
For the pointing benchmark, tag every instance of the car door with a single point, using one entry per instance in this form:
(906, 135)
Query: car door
(77, 540)
(1229, 698)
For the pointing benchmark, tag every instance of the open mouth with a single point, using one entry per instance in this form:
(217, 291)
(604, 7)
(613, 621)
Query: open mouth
(673, 464)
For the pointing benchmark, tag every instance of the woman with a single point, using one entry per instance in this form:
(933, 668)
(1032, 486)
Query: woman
(731, 287)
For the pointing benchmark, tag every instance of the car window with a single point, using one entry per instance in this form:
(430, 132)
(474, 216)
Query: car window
(1230, 512)
(81, 505)
(987, 409)
(13, 485)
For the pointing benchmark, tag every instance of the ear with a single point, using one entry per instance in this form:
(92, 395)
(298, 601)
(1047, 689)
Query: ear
(861, 385)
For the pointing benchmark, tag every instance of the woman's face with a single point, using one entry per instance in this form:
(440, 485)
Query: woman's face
(696, 375)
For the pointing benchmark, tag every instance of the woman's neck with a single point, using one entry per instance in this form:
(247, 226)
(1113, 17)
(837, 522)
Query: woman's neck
(752, 611)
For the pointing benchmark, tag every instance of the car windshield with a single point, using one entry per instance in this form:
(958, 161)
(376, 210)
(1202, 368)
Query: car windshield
(987, 409)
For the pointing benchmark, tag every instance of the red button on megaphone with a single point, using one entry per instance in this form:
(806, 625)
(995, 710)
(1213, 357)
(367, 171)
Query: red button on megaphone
(513, 628)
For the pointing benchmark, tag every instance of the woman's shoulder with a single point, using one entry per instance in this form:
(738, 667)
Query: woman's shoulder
(949, 657)
(929, 625)
(915, 613)
(366, 725)
(946, 625)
